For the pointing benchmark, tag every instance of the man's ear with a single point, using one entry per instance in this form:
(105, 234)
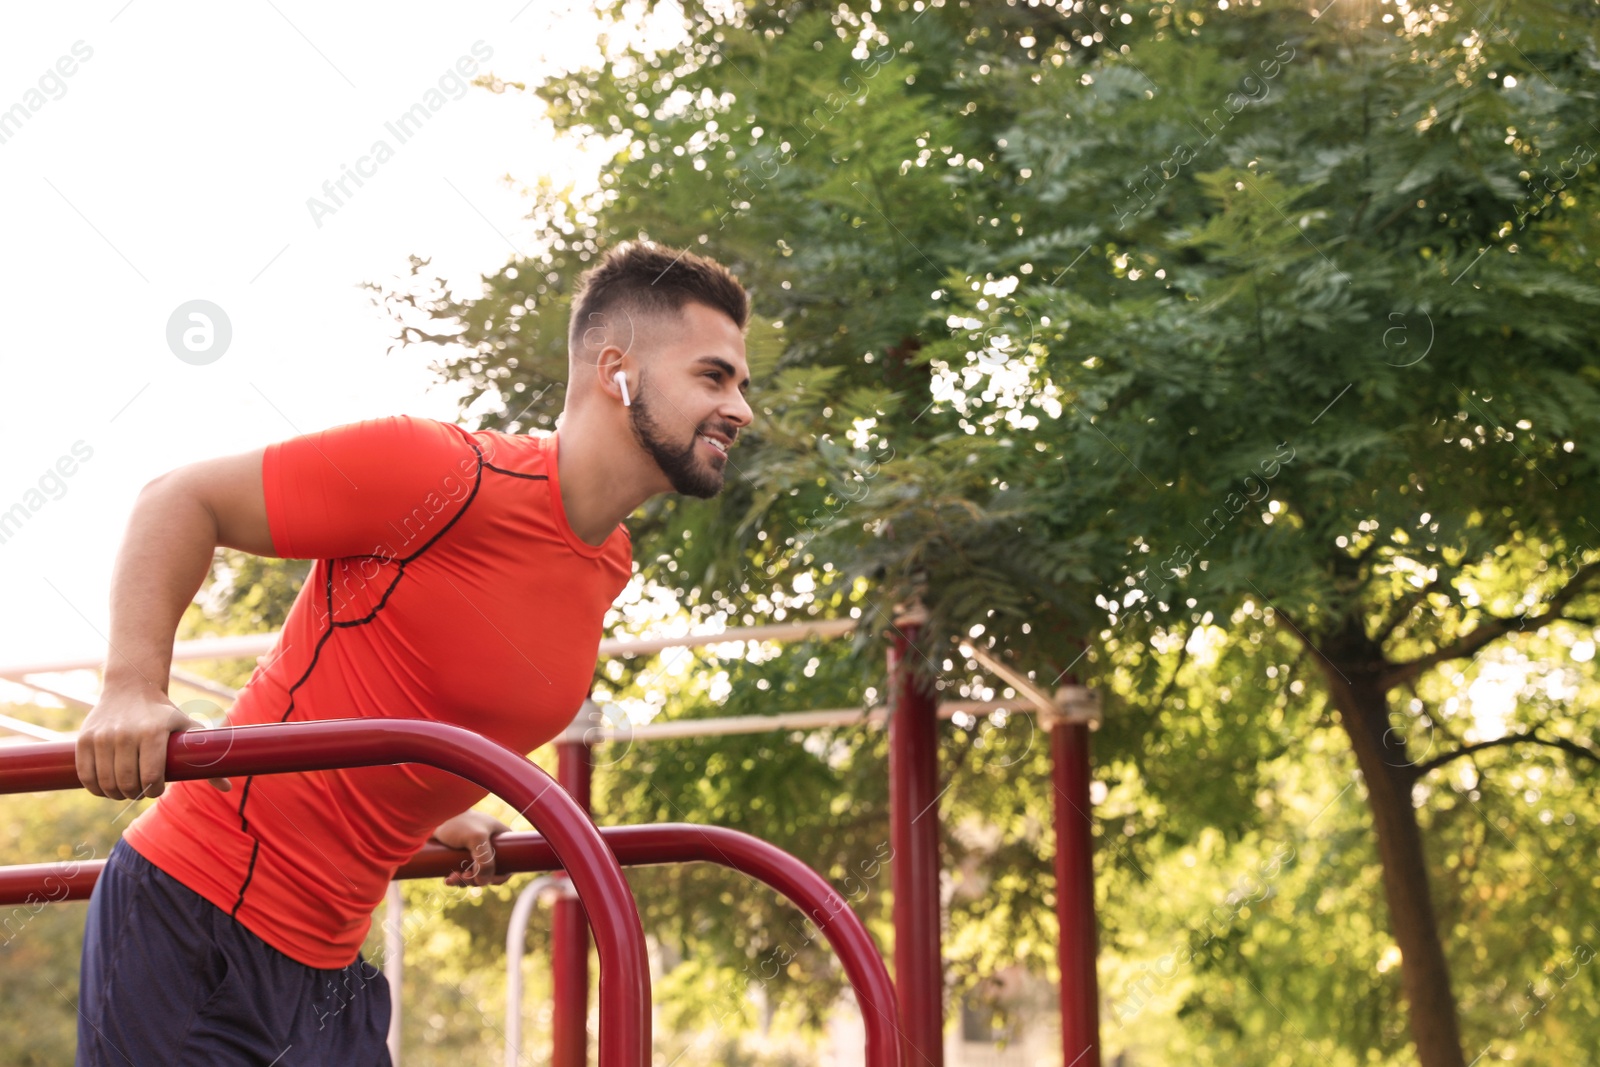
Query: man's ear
(610, 362)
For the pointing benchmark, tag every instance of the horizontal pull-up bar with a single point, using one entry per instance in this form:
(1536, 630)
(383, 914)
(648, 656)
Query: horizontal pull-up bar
(244, 646)
(592, 726)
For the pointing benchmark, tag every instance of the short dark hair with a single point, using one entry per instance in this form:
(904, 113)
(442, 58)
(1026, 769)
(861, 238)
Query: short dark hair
(654, 279)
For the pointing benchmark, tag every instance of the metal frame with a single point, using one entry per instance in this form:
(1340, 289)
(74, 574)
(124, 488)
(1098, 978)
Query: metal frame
(327, 745)
(1069, 714)
(643, 846)
(596, 876)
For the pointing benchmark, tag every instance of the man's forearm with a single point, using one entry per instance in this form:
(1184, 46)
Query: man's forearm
(164, 557)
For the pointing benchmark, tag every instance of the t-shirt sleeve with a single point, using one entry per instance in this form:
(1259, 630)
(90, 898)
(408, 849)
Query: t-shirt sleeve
(380, 487)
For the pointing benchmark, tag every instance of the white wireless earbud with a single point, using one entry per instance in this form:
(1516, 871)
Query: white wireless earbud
(622, 380)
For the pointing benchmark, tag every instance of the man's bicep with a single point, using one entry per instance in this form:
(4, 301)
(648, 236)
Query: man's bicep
(232, 490)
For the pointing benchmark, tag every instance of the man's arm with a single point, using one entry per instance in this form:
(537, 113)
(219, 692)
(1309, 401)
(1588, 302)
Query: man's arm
(177, 524)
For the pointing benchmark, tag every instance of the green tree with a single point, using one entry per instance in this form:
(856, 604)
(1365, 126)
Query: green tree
(1094, 327)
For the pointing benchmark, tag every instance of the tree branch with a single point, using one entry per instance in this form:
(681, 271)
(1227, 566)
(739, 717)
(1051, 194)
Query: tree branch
(1183, 654)
(1531, 737)
(1306, 642)
(1403, 610)
(1485, 632)
(1464, 648)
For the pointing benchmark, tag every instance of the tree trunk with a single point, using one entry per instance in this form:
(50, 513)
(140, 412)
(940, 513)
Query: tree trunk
(1389, 775)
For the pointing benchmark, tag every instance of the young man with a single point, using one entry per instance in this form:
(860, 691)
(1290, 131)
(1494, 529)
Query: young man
(461, 577)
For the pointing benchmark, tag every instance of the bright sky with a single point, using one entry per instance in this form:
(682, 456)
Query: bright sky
(173, 164)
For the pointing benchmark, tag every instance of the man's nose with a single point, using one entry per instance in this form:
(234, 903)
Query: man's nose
(739, 412)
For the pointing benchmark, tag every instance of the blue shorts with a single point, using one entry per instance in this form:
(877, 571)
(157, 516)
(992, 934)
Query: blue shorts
(169, 978)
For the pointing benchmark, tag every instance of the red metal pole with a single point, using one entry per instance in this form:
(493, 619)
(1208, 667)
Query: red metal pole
(914, 837)
(1076, 947)
(569, 933)
(334, 743)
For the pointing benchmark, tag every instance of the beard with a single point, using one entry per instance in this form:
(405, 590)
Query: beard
(688, 473)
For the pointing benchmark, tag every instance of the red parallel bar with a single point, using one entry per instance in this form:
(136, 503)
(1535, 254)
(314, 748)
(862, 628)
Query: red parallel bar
(633, 846)
(637, 846)
(569, 933)
(1076, 946)
(914, 835)
(37, 884)
(330, 744)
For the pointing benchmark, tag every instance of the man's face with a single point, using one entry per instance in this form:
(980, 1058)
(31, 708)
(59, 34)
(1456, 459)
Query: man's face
(690, 406)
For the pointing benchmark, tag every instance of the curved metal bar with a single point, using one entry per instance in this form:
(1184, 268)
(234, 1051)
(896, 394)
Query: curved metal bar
(633, 846)
(337, 743)
(394, 962)
(688, 843)
(516, 945)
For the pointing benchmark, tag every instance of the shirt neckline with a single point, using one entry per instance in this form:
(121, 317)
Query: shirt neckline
(552, 450)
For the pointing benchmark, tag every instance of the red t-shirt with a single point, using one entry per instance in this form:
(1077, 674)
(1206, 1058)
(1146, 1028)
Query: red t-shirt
(448, 586)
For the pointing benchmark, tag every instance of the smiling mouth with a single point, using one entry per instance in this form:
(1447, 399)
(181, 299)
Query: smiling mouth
(716, 446)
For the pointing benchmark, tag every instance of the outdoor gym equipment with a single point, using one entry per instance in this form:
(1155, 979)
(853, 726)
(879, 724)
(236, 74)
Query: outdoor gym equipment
(1062, 718)
(567, 840)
